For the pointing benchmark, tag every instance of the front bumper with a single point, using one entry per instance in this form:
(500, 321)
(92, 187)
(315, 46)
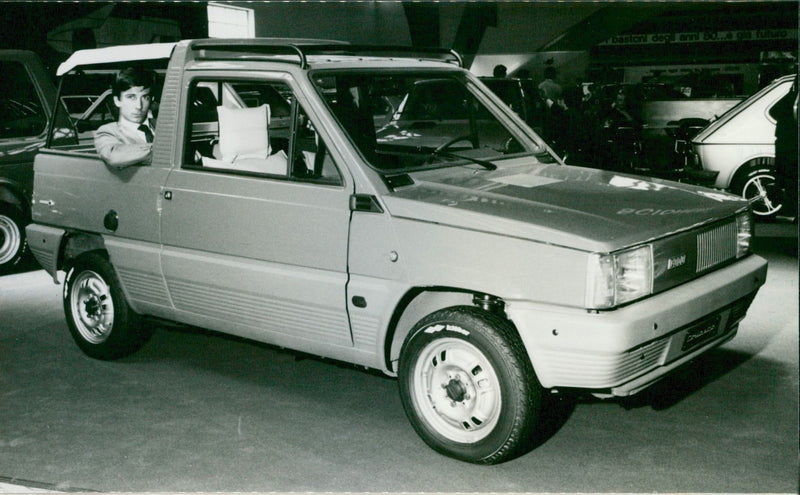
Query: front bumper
(621, 352)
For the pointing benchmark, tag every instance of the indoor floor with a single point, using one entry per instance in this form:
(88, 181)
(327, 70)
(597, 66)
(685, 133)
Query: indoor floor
(196, 411)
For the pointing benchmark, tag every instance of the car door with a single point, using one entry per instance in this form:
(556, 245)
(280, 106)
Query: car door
(252, 245)
(23, 122)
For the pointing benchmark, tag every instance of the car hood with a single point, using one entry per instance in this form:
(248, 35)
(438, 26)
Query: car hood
(580, 208)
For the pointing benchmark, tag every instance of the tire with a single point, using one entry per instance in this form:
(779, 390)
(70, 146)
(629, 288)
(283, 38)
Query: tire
(468, 387)
(99, 318)
(12, 237)
(759, 181)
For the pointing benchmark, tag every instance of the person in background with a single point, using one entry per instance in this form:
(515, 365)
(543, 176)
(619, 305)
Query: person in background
(500, 70)
(786, 152)
(549, 89)
(621, 113)
(620, 134)
(128, 141)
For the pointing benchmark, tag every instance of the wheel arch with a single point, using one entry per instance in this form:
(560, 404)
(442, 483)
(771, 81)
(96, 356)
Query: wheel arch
(755, 163)
(419, 302)
(76, 244)
(15, 196)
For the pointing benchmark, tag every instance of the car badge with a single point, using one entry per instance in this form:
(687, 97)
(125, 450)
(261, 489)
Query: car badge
(676, 261)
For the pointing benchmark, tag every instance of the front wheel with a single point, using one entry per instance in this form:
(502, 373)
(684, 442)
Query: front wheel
(12, 237)
(468, 387)
(99, 318)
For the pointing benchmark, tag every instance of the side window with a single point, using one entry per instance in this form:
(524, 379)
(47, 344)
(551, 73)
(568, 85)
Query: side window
(87, 103)
(21, 111)
(101, 111)
(253, 128)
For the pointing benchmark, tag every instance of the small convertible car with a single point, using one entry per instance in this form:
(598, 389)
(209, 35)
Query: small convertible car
(382, 207)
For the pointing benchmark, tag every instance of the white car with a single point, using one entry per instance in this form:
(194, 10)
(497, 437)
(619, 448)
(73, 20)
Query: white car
(740, 148)
(450, 248)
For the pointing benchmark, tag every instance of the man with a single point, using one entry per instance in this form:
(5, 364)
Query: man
(128, 140)
(549, 89)
(786, 152)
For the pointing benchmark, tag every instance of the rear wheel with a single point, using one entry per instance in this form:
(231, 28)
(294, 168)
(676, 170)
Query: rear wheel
(12, 237)
(757, 183)
(468, 387)
(99, 318)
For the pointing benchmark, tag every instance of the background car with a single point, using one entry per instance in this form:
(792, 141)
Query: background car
(739, 148)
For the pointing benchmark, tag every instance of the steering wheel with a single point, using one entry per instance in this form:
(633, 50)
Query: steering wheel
(473, 140)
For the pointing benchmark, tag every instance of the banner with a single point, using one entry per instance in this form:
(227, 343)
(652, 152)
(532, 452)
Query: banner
(701, 37)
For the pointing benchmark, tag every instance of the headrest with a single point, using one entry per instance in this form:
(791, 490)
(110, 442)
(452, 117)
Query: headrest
(243, 132)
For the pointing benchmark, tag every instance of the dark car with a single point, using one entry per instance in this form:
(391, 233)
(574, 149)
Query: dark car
(26, 96)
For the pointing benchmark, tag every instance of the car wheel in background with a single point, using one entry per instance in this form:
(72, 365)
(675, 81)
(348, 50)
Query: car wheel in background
(12, 237)
(756, 182)
(468, 387)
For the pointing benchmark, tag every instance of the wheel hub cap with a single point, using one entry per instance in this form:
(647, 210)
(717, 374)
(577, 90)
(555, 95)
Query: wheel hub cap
(10, 239)
(457, 390)
(92, 307)
(762, 190)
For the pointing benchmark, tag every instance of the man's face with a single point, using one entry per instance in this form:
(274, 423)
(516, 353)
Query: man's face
(134, 104)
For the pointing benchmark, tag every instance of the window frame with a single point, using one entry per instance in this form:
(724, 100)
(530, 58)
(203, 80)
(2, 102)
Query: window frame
(505, 116)
(34, 91)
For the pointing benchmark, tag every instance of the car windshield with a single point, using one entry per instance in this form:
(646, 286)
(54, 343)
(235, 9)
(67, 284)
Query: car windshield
(409, 121)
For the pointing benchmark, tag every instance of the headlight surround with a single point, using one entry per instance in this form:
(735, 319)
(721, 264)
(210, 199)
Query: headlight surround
(617, 278)
(744, 233)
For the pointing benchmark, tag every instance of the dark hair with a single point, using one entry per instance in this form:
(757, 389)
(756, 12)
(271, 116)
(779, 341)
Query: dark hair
(131, 78)
(549, 72)
(499, 70)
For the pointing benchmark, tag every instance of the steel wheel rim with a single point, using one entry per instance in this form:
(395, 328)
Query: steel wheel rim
(756, 187)
(92, 307)
(456, 390)
(10, 239)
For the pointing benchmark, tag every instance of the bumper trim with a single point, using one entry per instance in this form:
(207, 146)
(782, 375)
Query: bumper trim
(638, 384)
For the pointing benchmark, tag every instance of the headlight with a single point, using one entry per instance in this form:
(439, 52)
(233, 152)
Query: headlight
(617, 278)
(744, 231)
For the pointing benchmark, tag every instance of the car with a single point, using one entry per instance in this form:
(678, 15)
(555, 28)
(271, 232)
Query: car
(448, 247)
(637, 94)
(661, 110)
(27, 97)
(738, 149)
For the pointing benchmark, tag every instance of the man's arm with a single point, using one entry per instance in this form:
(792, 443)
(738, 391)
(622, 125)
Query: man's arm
(114, 149)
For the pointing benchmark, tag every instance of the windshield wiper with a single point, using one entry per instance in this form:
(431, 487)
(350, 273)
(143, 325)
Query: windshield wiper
(544, 156)
(483, 163)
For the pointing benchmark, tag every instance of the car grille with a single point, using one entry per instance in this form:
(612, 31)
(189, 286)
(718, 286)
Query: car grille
(716, 246)
(684, 256)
